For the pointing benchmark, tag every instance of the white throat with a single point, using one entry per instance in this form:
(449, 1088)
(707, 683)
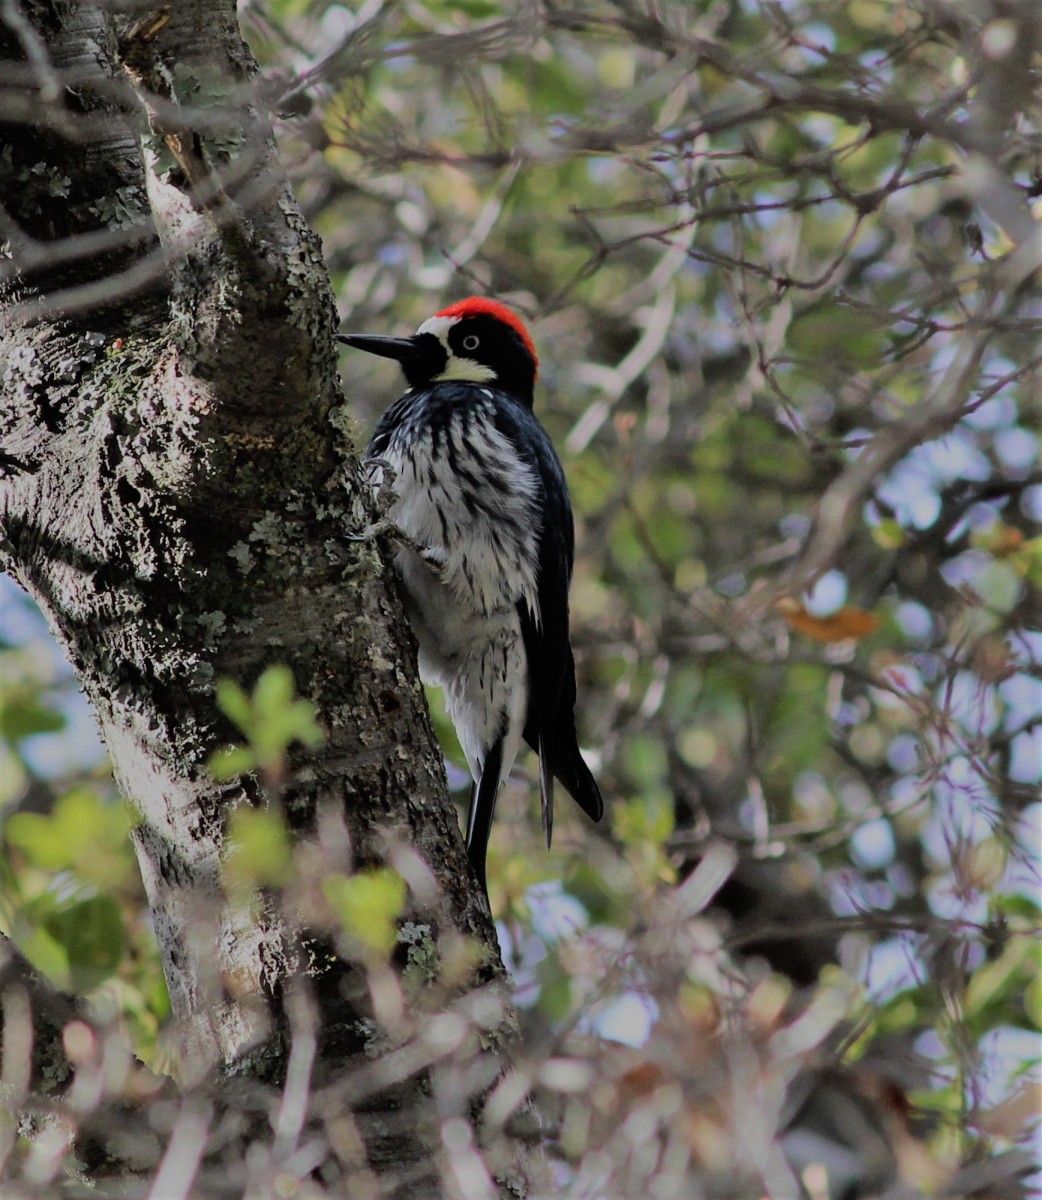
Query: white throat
(465, 370)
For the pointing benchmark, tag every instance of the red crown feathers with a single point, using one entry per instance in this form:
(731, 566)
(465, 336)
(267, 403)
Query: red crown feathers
(475, 305)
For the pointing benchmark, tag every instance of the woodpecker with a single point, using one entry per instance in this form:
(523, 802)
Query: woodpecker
(486, 550)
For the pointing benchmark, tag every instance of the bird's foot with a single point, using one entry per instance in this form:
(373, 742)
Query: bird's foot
(386, 528)
(380, 475)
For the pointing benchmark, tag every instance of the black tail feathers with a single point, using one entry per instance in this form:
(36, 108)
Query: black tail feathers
(482, 808)
(562, 761)
(558, 760)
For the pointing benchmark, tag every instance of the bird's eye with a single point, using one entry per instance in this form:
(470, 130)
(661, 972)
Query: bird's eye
(470, 342)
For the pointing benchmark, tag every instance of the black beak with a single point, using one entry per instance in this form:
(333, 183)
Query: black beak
(402, 350)
(420, 357)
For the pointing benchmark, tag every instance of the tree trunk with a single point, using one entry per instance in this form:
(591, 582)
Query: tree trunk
(179, 484)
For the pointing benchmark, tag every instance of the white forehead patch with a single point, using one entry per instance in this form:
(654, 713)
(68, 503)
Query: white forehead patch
(440, 327)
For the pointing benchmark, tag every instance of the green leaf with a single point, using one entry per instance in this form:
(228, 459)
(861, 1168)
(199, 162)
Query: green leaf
(480, 10)
(13, 776)
(22, 718)
(270, 719)
(47, 954)
(999, 586)
(1033, 999)
(1029, 561)
(647, 820)
(274, 691)
(85, 833)
(555, 989)
(231, 761)
(368, 904)
(234, 703)
(93, 937)
(889, 534)
(995, 981)
(258, 848)
(31, 833)
(645, 760)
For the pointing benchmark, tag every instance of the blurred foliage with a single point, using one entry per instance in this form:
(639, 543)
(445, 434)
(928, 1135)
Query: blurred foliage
(71, 897)
(258, 850)
(368, 904)
(271, 719)
(750, 251)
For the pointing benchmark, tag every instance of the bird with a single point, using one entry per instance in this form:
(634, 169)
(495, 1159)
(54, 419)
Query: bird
(486, 545)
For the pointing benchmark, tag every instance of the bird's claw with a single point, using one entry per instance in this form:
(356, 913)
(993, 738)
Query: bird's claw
(382, 499)
(386, 528)
(374, 464)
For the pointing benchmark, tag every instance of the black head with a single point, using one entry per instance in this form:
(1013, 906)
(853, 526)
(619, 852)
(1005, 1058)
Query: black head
(472, 341)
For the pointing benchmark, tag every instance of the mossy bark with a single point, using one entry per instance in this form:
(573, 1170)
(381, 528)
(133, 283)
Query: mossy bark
(179, 478)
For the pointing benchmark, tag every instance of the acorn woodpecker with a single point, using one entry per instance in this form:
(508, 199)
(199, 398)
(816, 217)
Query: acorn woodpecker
(486, 549)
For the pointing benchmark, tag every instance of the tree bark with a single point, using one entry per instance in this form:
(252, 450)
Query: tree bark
(180, 478)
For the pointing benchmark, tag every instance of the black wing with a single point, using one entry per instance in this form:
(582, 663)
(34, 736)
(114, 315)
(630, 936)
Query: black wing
(550, 724)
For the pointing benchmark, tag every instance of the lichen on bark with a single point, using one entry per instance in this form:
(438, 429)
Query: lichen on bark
(179, 483)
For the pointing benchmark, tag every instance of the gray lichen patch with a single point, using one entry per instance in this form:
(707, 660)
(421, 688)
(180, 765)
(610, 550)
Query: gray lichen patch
(34, 183)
